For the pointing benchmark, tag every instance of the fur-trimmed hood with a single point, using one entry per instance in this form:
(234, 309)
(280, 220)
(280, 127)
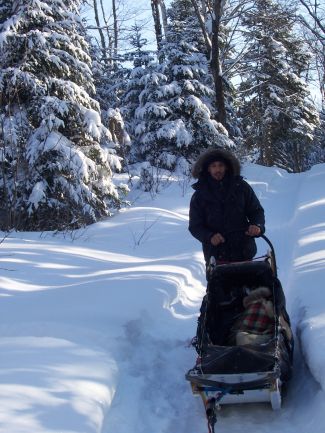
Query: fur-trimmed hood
(211, 155)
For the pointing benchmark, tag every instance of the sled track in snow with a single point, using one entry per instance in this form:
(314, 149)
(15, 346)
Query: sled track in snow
(155, 366)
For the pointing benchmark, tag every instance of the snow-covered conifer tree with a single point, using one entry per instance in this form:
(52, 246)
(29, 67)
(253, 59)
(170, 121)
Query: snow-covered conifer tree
(133, 86)
(279, 117)
(56, 155)
(184, 25)
(109, 81)
(174, 119)
(317, 151)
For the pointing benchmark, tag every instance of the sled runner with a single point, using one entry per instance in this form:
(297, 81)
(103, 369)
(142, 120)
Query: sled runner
(243, 340)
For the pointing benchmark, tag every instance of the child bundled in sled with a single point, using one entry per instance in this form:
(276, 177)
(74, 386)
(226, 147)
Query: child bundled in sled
(256, 324)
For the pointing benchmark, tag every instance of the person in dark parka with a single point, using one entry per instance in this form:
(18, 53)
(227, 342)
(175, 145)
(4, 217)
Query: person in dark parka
(225, 214)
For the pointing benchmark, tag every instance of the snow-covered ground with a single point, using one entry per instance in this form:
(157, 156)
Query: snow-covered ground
(95, 325)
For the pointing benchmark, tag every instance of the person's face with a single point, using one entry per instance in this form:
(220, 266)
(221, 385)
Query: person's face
(217, 170)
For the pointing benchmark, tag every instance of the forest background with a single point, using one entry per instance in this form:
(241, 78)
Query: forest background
(91, 88)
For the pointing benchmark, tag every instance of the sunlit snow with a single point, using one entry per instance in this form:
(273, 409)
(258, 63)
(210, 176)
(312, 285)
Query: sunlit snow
(96, 324)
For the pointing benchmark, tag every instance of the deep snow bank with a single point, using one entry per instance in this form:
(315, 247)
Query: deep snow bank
(307, 280)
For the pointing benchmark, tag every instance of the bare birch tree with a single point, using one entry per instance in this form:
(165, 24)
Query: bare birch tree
(163, 10)
(313, 19)
(100, 32)
(214, 16)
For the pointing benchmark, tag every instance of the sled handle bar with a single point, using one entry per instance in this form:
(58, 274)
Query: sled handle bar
(273, 259)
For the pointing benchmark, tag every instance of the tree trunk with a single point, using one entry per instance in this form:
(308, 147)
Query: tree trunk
(322, 77)
(108, 32)
(115, 27)
(163, 15)
(216, 64)
(100, 31)
(202, 20)
(316, 27)
(156, 18)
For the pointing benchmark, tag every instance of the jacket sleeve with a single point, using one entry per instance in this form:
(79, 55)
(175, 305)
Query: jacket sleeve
(253, 208)
(197, 226)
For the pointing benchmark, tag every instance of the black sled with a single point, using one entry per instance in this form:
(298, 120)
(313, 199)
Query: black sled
(234, 364)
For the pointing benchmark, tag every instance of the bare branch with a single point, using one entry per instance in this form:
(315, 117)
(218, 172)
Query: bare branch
(315, 18)
(200, 17)
(100, 31)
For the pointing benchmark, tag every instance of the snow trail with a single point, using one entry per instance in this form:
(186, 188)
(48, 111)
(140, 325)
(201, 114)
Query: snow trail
(304, 399)
(171, 401)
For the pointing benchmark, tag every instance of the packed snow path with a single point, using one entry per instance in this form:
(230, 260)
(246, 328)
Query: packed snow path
(95, 326)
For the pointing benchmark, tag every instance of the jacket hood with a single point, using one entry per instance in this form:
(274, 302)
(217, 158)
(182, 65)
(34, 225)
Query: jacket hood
(211, 155)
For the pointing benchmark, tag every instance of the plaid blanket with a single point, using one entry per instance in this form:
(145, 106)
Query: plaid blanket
(256, 319)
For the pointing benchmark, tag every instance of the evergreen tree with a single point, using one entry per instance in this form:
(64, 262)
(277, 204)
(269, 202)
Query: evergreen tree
(174, 119)
(55, 152)
(109, 81)
(141, 58)
(184, 25)
(317, 153)
(279, 117)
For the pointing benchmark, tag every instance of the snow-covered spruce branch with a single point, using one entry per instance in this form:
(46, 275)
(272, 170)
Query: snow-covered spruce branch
(250, 89)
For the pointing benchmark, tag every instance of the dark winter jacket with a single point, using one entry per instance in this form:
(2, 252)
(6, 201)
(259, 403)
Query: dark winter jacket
(227, 207)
